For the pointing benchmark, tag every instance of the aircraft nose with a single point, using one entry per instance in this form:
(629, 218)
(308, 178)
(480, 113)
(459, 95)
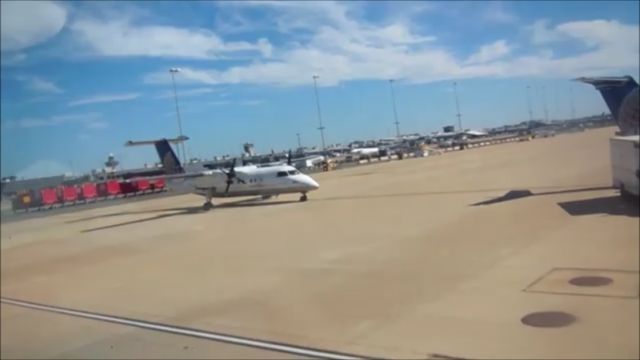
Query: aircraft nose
(311, 183)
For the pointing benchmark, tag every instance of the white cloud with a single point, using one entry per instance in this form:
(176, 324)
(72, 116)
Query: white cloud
(612, 47)
(28, 23)
(495, 12)
(291, 16)
(542, 34)
(591, 33)
(97, 125)
(346, 50)
(104, 98)
(186, 93)
(119, 38)
(43, 168)
(489, 52)
(40, 85)
(296, 15)
(601, 33)
(89, 120)
(13, 59)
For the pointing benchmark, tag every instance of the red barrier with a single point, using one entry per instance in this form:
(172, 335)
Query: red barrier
(128, 188)
(49, 197)
(143, 185)
(113, 188)
(158, 184)
(69, 194)
(102, 189)
(89, 191)
(60, 193)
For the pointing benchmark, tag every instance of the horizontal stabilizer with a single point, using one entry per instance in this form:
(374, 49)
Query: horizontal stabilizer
(170, 162)
(607, 81)
(153, 142)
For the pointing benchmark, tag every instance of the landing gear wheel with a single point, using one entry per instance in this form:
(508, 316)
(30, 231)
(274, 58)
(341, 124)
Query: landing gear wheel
(207, 206)
(303, 197)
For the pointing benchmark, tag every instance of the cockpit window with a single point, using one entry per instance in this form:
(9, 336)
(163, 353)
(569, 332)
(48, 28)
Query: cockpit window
(294, 172)
(282, 173)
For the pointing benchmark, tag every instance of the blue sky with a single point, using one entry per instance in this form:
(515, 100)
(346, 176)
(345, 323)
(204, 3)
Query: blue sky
(78, 79)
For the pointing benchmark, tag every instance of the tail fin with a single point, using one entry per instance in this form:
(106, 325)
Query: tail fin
(170, 162)
(613, 90)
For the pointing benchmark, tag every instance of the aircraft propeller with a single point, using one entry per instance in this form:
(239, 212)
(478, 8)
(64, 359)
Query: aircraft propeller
(231, 174)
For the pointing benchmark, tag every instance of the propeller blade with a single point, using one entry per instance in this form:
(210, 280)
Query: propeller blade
(231, 173)
(228, 186)
(289, 158)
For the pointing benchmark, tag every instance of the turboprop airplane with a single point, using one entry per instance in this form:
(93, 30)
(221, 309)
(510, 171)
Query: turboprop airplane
(251, 180)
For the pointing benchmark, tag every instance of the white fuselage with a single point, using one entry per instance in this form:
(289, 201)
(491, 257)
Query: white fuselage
(270, 180)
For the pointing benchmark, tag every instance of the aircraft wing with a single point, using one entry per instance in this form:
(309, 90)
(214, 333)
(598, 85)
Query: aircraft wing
(169, 176)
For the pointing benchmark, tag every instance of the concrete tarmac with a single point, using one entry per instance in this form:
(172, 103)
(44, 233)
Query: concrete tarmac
(428, 257)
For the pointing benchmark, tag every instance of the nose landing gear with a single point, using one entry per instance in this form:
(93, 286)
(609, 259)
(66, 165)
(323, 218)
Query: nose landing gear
(303, 197)
(208, 204)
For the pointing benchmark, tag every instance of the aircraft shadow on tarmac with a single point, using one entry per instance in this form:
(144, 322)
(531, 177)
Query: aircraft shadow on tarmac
(171, 212)
(509, 196)
(612, 205)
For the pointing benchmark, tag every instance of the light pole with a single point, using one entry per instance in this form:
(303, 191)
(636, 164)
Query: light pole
(173, 71)
(320, 127)
(299, 143)
(395, 112)
(529, 105)
(573, 109)
(544, 104)
(556, 105)
(455, 93)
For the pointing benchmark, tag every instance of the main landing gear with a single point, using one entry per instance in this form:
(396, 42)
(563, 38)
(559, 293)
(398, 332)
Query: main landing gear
(303, 197)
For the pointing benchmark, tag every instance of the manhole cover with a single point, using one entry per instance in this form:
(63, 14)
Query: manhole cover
(590, 281)
(548, 319)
